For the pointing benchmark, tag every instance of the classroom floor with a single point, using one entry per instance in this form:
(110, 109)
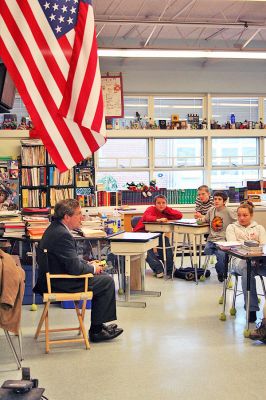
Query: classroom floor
(176, 348)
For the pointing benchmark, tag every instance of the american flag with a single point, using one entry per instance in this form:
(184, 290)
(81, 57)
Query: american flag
(50, 50)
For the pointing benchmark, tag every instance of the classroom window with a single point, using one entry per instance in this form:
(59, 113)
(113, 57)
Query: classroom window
(123, 153)
(18, 108)
(224, 178)
(132, 105)
(165, 107)
(235, 152)
(118, 180)
(171, 153)
(178, 179)
(244, 108)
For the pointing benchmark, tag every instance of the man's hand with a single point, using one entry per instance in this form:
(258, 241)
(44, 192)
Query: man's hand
(98, 267)
(98, 270)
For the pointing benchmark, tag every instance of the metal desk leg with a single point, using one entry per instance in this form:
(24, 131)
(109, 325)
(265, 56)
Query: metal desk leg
(34, 263)
(99, 253)
(164, 255)
(200, 250)
(195, 263)
(222, 315)
(247, 331)
(127, 302)
(175, 238)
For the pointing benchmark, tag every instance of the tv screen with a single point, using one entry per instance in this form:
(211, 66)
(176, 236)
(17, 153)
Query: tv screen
(7, 89)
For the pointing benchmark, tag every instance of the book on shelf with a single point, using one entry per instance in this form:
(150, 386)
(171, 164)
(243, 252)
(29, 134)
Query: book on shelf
(60, 194)
(60, 178)
(12, 228)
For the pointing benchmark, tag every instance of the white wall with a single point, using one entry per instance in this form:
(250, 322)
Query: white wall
(153, 76)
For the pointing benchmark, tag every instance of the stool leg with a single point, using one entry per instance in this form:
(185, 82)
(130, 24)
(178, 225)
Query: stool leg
(8, 338)
(47, 339)
(20, 344)
(38, 330)
(81, 325)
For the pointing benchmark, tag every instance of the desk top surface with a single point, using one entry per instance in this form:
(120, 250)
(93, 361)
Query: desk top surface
(134, 237)
(183, 222)
(234, 251)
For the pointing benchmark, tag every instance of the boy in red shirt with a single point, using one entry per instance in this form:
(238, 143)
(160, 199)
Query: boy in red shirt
(160, 212)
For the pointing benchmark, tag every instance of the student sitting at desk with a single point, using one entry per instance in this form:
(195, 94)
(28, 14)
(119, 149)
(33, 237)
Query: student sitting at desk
(204, 201)
(247, 229)
(219, 217)
(160, 212)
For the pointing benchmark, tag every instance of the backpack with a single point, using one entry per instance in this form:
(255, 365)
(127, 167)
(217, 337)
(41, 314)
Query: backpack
(189, 273)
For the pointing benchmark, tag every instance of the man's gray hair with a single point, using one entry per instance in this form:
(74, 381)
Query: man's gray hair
(65, 207)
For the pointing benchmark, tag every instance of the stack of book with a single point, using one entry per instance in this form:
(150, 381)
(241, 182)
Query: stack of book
(36, 220)
(93, 228)
(252, 247)
(36, 226)
(13, 229)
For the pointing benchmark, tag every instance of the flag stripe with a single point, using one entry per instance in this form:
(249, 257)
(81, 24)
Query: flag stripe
(37, 80)
(57, 60)
(29, 105)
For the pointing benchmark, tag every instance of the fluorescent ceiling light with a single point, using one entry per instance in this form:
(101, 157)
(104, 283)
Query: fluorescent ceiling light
(147, 53)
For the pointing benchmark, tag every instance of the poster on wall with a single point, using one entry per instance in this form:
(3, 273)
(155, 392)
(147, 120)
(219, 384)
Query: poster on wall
(112, 89)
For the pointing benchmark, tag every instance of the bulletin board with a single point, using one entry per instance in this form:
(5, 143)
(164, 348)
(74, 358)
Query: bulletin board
(112, 89)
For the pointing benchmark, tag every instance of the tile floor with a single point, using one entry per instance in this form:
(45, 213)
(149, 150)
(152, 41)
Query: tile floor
(176, 348)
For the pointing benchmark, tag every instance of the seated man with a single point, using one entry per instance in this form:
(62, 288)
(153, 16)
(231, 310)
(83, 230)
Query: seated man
(63, 259)
(160, 212)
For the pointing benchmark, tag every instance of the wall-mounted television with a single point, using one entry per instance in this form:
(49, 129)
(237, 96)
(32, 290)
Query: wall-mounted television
(7, 90)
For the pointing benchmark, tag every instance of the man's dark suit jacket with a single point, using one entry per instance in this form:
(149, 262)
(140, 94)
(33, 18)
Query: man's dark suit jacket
(62, 259)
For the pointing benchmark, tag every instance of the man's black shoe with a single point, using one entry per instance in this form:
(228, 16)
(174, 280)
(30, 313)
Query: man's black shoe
(105, 335)
(220, 277)
(109, 327)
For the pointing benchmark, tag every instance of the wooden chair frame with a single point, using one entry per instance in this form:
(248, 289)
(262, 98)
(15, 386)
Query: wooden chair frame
(76, 297)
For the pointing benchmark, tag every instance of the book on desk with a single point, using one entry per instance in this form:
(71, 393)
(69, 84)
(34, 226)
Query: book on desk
(241, 248)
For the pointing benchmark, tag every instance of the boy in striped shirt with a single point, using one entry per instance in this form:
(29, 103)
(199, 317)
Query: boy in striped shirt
(204, 201)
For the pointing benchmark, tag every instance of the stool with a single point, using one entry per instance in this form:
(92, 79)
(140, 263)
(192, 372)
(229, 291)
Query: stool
(54, 297)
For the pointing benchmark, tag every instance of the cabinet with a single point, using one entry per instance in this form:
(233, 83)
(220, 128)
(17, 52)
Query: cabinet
(42, 184)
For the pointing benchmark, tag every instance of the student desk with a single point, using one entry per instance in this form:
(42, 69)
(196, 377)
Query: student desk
(248, 257)
(194, 231)
(163, 228)
(129, 244)
(187, 226)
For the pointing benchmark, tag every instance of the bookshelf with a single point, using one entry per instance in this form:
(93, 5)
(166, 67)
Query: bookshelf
(85, 183)
(42, 184)
(33, 176)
